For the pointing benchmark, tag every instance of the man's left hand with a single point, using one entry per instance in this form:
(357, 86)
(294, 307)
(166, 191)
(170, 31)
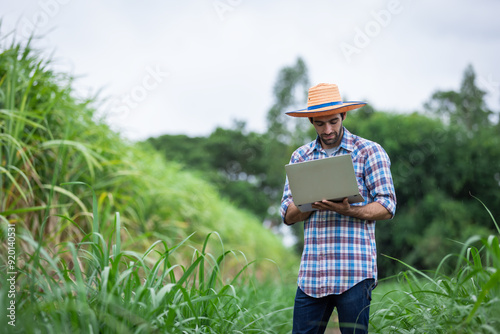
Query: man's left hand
(343, 208)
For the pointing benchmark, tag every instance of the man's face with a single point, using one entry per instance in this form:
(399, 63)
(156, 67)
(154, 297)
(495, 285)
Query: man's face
(329, 129)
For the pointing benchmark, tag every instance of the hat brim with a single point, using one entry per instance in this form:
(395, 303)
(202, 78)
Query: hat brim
(326, 111)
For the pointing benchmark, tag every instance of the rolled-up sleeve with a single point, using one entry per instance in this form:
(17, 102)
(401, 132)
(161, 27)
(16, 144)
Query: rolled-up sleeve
(286, 200)
(378, 179)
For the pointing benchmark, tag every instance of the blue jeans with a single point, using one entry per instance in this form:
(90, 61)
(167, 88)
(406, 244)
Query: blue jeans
(311, 315)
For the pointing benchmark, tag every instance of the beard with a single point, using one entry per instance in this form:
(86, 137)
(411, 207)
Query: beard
(332, 139)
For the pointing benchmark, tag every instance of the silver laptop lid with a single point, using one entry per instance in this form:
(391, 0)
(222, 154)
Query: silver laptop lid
(330, 178)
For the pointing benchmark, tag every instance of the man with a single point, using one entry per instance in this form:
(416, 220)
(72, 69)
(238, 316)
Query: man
(338, 268)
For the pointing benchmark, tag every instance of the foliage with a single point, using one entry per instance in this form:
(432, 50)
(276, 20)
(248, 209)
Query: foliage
(99, 286)
(465, 107)
(232, 159)
(247, 167)
(72, 275)
(50, 138)
(290, 92)
(435, 169)
(467, 301)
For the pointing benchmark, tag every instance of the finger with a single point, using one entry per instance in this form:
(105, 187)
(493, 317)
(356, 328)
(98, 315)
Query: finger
(320, 205)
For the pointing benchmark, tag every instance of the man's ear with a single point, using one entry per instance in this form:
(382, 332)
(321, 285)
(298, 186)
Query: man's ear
(311, 120)
(344, 114)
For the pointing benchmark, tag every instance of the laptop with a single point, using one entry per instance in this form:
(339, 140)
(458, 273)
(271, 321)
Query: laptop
(330, 178)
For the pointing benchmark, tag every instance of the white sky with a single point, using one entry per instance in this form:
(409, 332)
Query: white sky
(189, 66)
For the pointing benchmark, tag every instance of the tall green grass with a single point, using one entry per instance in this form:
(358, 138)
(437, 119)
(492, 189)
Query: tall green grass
(467, 301)
(82, 267)
(49, 136)
(98, 286)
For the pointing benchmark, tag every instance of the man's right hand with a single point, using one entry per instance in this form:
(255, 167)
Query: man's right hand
(294, 215)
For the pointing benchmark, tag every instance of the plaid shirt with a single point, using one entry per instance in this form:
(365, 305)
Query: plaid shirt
(340, 251)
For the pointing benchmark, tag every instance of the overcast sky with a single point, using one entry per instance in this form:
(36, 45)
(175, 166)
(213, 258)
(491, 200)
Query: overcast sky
(189, 66)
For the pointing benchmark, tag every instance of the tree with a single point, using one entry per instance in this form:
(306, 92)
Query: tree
(232, 159)
(174, 148)
(435, 167)
(465, 107)
(290, 91)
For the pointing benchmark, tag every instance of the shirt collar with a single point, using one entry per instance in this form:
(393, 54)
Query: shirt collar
(346, 143)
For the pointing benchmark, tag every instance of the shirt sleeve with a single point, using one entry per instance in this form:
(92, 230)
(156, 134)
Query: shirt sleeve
(287, 198)
(378, 178)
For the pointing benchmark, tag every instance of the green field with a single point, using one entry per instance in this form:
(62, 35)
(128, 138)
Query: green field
(107, 236)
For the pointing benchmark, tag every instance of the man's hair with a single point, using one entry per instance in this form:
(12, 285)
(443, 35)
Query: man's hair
(341, 115)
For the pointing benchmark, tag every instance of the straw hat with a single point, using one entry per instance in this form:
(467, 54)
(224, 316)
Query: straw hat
(323, 100)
